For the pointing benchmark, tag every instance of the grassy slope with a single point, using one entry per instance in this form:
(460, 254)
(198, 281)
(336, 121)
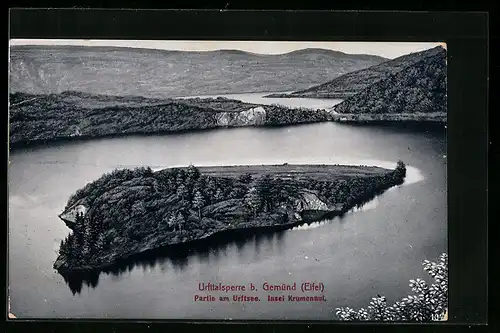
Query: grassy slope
(166, 74)
(132, 208)
(297, 171)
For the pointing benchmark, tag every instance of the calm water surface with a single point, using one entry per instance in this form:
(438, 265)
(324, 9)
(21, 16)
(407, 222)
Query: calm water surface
(375, 249)
(258, 98)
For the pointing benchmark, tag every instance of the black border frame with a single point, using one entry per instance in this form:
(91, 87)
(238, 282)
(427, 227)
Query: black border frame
(466, 35)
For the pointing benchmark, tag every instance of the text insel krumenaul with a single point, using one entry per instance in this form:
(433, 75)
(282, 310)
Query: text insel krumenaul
(292, 298)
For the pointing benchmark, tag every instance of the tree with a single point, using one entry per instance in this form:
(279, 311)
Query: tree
(245, 178)
(253, 200)
(180, 177)
(99, 245)
(64, 249)
(427, 304)
(200, 185)
(87, 241)
(138, 208)
(211, 188)
(78, 229)
(264, 188)
(400, 169)
(219, 195)
(165, 224)
(182, 191)
(198, 202)
(237, 192)
(192, 173)
(170, 182)
(77, 238)
(180, 221)
(172, 221)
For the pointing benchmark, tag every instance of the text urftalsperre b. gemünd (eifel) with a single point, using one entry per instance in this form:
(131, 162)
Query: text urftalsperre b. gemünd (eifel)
(304, 291)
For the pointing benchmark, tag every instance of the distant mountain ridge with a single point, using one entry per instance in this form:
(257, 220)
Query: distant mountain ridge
(334, 52)
(157, 73)
(354, 82)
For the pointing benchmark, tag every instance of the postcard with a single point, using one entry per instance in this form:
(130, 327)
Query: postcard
(228, 180)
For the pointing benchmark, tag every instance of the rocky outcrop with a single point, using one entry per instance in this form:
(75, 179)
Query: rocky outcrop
(309, 201)
(253, 116)
(69, 215)
(74, 131)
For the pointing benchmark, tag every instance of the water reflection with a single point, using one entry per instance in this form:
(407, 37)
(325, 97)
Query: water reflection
(76, 281)
(209, 251)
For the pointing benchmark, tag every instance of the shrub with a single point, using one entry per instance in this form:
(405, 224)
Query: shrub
(427, 304)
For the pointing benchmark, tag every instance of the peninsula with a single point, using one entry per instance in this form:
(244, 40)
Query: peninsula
(76, 115)
(408, 88)
(418, 93)
(128, 212)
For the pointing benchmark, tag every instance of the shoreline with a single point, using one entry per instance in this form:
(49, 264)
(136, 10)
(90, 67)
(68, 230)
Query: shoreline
(392, 122)
(83, 138)
(195, 244)
(201, 104)
(291, 95)
(18, 145)
(391, 118)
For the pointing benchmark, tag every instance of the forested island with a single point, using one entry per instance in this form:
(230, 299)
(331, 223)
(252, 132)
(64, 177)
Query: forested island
(77, 115)
(128, 212)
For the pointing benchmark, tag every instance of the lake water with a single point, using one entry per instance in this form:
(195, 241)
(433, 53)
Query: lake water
(375, 249)
(258, 98)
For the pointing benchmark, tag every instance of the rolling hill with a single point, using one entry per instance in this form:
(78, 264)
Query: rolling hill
(354, 82)
(164, 74)
(418, 92)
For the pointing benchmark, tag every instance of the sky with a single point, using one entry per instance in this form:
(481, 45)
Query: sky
(389, 50)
